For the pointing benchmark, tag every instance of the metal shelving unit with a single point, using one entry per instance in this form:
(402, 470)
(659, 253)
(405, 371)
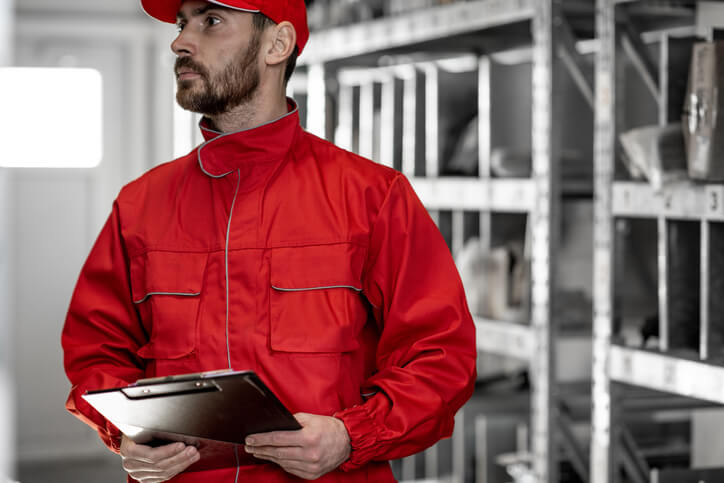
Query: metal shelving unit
(376, 88)
(643, 36)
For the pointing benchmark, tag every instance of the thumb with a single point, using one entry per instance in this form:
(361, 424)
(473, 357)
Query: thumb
(303, 418)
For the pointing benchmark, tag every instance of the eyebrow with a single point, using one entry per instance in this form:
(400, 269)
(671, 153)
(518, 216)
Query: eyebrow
(199, 11)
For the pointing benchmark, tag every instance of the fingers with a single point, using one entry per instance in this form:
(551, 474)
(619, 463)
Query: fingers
(151, 465)
(276, 438)
(318, 448)
(276, 454)
(148, 454)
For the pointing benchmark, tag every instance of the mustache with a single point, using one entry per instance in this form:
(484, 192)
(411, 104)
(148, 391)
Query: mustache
(189, 63)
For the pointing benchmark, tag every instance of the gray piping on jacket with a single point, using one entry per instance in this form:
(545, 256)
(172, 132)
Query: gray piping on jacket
(238, 467)
(226, 270)
(198, 151)
(226, 267)
(166, 293)
(315, 288)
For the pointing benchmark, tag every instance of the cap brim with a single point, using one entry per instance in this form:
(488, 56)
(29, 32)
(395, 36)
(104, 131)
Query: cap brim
(163, 10)
(167, 10)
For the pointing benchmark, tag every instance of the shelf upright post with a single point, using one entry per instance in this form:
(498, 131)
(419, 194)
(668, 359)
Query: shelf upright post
(317, 97)
(484, 141)
(367, 119)
(388, 119)
(432, 105)
(545, 223)
(704, 291)
(412, 107)
(7, 413)
(603, 249)
(663, 291)
(343, 133)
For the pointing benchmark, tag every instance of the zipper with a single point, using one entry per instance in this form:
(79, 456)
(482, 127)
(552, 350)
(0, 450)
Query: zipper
(226, 272)
(226, 265)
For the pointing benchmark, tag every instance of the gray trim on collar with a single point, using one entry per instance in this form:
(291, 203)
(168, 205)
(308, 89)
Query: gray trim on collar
(198, 151)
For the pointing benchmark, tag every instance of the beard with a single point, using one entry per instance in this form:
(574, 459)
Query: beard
(219, 93)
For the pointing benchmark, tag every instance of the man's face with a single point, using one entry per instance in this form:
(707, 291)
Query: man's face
(217, 49)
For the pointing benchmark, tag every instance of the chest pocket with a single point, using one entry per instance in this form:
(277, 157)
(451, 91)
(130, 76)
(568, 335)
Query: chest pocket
(166, 289)
(316, 300)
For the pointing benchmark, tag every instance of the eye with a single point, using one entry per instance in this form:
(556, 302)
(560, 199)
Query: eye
(210, 21)
(180, 26)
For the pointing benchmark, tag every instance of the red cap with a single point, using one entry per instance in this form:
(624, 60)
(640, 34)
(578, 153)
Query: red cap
(292, 11)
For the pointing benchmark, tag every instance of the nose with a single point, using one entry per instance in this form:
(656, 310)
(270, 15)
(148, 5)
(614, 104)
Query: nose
(184, 44)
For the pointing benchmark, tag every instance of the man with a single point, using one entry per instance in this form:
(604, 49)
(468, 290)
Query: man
(269, 249)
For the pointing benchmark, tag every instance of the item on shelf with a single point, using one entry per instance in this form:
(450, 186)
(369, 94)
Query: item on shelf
(464, 159)
(704, 111)
(511, 163)
(657, 153)
(495, 281)
(394, 7)
(323, 14)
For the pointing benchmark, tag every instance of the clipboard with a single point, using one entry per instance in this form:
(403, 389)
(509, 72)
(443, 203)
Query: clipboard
(213, 411)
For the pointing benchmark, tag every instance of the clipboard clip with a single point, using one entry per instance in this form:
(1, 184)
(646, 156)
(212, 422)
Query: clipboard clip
(170, 389)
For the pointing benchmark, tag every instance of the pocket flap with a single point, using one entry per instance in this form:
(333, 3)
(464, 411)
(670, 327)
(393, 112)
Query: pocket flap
(315, 302)
(167, 273)
(317, 267)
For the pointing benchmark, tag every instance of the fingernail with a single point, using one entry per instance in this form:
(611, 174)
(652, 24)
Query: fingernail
(250, 441)
(190, 450)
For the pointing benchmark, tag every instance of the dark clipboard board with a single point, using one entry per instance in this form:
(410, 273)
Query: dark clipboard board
(213, 411)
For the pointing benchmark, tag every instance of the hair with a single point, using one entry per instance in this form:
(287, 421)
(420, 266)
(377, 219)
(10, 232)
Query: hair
(261, 22)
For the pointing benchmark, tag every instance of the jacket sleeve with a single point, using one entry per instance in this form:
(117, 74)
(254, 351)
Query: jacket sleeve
(102, 330)
(425, 359)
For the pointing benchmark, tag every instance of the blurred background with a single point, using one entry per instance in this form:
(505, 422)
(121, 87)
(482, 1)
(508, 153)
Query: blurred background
(567, 150)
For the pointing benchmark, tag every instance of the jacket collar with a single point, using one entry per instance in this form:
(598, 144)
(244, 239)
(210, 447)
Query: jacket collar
(223, 153)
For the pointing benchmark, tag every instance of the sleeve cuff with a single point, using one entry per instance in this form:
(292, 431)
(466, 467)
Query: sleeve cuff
(363, 435)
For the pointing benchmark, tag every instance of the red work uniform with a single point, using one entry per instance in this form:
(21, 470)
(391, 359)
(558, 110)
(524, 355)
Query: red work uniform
(273, 250)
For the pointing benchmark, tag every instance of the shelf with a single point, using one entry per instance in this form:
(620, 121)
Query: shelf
(666, 373)
(500, 195)
(441, 23)
(504, 338)
(686, 201)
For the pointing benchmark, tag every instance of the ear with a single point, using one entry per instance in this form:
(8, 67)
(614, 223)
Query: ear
(283, 38)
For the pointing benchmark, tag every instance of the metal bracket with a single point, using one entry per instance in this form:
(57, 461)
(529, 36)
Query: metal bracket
(632, 459)
(574, 62)
(577, 456)
(637, 52)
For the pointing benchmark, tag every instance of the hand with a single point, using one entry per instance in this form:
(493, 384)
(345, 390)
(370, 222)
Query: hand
(155, 465)
(318, 448)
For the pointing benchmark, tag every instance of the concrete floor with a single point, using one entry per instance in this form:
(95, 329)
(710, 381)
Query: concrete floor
(103, 470)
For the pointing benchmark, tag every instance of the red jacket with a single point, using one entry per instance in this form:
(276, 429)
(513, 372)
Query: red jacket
(273, 250)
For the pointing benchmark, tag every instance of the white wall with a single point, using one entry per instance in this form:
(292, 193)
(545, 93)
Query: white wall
(7, 427)
(58, 213)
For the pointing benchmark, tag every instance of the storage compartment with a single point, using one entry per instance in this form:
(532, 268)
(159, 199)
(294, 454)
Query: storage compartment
(683, 292)
(715, 336)
(635, 283)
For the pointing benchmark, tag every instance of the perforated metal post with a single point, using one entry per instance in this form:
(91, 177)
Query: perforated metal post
(6, 398)
(604, 152)
(544, 222)
(484, 141)
(432, 104)
(317, 97)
